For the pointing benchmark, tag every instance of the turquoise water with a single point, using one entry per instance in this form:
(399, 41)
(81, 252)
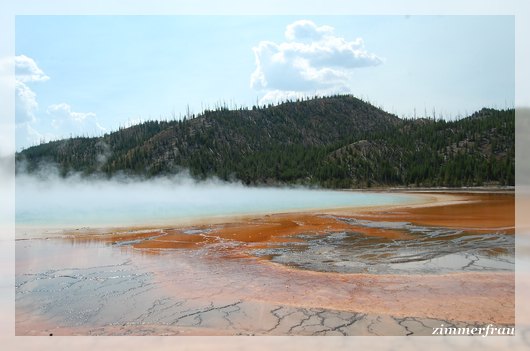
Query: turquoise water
(77, 202)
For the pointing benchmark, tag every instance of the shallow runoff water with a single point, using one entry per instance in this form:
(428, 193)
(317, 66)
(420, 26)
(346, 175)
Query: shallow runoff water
(75, 202)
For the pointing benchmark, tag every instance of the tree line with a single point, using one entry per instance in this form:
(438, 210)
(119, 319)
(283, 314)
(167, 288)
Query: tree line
(335, 142)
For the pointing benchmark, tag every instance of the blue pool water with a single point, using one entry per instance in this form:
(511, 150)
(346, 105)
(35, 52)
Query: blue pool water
(78, 202)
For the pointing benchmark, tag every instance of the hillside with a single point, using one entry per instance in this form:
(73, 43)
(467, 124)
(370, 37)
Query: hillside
(336, 142)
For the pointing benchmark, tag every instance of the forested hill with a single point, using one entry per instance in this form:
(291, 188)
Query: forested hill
(338, 142)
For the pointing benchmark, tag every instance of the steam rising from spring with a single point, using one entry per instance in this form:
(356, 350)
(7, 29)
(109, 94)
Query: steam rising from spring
(48, 200)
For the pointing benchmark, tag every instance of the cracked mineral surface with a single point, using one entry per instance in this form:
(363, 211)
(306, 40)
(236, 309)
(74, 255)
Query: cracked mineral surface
(387, 271)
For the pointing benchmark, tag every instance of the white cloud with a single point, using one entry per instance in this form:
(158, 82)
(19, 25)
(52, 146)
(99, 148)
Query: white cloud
(26, 135)
(306, 30)
(313, 59)
(25, 103)
(31, 130)
(277, 96)
(26, 70)
(26, 106)
(75, 123)
(64, 111)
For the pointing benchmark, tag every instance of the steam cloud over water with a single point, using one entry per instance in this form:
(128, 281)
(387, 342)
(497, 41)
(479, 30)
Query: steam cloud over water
(79, 201)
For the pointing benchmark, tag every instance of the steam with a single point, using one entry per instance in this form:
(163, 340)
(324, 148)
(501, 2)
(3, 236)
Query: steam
(104, 153)
(47, 200)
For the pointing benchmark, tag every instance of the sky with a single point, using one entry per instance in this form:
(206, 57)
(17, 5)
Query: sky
(88, 75)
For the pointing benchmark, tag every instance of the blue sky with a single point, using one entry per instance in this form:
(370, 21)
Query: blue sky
(85, 75)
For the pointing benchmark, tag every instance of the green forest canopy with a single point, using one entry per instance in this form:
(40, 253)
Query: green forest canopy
(335, 142)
